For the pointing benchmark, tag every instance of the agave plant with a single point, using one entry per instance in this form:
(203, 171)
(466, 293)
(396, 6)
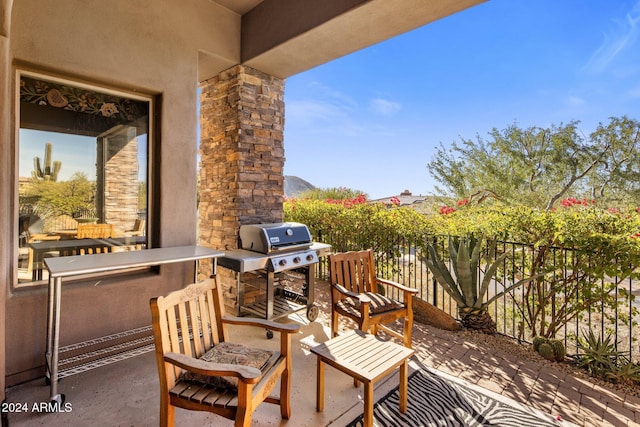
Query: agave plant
(600, 357)
(598, 354)
(462, 285)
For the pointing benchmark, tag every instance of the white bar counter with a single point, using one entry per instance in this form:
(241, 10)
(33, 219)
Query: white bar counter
(77, 265)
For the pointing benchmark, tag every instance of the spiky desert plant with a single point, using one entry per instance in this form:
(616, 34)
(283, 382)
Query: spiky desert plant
(51, 168)
(469, 295)
(626, 373)
(537, 340)
(559, 350)
(546, 351)
(598, 354)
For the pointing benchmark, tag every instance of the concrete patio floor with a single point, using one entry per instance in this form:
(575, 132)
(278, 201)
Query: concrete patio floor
(126, 393)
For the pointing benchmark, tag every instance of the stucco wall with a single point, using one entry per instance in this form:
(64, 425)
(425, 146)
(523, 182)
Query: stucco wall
(146, 46)
(5, 167)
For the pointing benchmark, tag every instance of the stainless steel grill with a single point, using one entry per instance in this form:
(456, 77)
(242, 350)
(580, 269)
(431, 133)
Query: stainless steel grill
(277, 237)
(268, 251)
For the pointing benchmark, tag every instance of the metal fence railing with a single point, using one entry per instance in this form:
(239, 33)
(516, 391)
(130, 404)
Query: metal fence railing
(571, 298)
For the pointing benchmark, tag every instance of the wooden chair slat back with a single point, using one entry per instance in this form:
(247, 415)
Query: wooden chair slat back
(94, 231)
(138, 225)
(188, 322)
(353, 270)
(184, 329)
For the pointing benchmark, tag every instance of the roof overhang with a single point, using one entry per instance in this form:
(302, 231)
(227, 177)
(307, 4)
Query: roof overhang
(286, 37)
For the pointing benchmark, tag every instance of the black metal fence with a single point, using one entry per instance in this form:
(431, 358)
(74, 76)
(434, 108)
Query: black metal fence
(572, 297)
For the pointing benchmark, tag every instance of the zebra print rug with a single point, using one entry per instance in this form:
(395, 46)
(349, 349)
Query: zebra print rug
(436, 401)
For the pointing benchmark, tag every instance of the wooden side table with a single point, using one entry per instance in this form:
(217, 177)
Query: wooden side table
(366, 359)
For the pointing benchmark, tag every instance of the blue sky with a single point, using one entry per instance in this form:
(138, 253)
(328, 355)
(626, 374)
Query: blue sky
(76, 152)
(371, 120)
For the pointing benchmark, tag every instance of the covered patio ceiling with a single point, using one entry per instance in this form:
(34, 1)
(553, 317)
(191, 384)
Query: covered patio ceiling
(286, 37)
(238, 6)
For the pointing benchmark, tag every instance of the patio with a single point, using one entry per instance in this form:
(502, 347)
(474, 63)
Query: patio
(101, 397)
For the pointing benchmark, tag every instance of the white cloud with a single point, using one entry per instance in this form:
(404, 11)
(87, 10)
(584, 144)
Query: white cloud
(318, 116)
(384, 107)
(622, 37)
(575, 101)
(322, 104)
(310, 111)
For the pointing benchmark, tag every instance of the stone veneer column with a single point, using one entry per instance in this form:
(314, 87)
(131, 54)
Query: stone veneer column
(241, 158)
(117, 176)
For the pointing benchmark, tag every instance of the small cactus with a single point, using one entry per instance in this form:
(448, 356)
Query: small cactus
(537, 340)
(546, 351)
(558, 350)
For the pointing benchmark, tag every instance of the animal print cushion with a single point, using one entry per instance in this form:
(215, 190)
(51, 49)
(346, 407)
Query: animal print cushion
(230, 353)
(379, 303)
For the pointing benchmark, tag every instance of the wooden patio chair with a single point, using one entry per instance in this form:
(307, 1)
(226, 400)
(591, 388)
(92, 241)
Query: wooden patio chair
(138, 228)
(355, 294)
(200, 369)
(25, 253)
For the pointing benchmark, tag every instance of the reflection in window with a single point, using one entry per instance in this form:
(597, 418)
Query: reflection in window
(82, 171)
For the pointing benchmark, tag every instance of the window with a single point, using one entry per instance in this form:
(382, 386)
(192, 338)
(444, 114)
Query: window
(83, 157)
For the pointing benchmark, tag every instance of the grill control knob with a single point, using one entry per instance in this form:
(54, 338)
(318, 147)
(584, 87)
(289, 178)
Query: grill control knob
(310, 257)
(296, 260)
(282, 262)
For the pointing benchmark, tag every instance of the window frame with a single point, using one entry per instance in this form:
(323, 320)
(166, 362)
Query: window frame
(94, 86)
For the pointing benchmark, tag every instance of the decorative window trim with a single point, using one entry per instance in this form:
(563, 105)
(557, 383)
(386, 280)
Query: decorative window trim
(79, 100)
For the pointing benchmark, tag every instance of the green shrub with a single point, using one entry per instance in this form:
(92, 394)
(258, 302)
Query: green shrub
(580, 248)
(349, 225)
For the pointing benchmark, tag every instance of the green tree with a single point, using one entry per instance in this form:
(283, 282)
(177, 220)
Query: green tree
(70, 197)
(537, 167)
(616, 176)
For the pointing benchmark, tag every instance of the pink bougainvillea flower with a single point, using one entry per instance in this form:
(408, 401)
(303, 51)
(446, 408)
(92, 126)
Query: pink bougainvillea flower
(446, 210)
(348, 203)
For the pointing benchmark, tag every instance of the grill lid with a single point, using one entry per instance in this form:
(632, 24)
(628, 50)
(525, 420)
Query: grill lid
(280, 236)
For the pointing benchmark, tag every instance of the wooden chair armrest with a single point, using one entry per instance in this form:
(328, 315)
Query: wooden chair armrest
(363, 298)
(288, 328)
(246, 374)
(397, 286)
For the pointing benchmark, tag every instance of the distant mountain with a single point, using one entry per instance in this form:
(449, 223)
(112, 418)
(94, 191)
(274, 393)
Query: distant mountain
(294, 186)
